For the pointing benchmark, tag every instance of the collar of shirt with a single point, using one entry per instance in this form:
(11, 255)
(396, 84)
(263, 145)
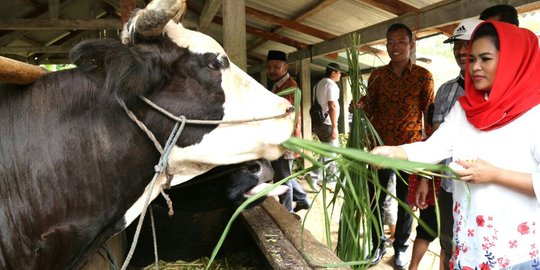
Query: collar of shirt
(280, 82)
(408, 67)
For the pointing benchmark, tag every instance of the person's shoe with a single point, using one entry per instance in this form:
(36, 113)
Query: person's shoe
(300, 205)
(401, 260)
(377, 257)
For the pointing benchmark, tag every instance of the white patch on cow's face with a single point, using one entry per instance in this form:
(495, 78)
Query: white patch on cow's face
(245, 98)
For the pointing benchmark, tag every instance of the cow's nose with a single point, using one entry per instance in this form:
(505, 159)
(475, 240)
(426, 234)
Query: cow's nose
(262, 169)
(290, 109)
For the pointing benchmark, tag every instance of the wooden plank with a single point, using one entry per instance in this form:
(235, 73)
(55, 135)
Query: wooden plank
(310, 12)
(34, 49)
(46, 24)
(261, 15)
(279, 252)
(16, 72)
(312, 250)
(392, 6)
(54, 9)
(209, 11)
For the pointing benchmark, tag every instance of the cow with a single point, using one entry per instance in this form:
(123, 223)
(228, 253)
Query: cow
(76, 154)
(202, 207)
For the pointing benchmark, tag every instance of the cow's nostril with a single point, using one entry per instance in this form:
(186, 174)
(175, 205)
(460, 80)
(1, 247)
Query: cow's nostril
(290, 109)
(254, 168)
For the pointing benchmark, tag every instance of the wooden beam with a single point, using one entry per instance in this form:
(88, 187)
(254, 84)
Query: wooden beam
(274, 245)
(435, 15)
(283, 241)
(46, 24)
(16, 72)
(34, 49)
(311, 11)
(9, 36)
(262, 33)
(277, 38)
(234, 31)
(33, 4)
(209, 11)
(261, 15)
(54, 9)
(392, 6)
(448, 30)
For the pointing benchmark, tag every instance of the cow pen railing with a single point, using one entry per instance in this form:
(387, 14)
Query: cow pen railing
(283, 241)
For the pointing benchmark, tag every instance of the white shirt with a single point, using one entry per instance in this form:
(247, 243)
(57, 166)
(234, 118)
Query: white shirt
(327, 90)
(493, 225)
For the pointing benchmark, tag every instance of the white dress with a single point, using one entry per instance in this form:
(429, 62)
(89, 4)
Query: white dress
(494, 227)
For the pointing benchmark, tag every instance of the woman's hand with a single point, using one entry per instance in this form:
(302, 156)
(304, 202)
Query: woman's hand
(480, 171)
(390, 151)
(477, 171)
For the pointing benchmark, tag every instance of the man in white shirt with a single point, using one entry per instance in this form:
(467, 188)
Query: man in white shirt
(327, 94)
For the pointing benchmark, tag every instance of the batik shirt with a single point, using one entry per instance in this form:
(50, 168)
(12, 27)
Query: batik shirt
(395, 104)
(495, 227)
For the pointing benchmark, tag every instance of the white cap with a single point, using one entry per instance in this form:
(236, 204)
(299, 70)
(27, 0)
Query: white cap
(464, 30)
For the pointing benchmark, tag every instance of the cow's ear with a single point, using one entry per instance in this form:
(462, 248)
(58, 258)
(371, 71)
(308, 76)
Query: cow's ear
(91, 57)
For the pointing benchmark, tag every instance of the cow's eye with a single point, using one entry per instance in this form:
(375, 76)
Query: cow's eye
(217, 64)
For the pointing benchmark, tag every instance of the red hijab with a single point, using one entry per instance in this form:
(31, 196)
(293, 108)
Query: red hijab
(516, 88)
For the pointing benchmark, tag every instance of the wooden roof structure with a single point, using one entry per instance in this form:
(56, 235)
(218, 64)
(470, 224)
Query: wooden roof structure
(43, 31)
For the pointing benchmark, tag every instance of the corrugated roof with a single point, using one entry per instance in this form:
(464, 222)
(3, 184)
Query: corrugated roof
(324, 20)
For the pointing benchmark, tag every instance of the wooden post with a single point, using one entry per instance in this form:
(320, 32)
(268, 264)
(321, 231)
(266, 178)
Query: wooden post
(126, 6)
(234, 31)
(12, 71)
(305, 82)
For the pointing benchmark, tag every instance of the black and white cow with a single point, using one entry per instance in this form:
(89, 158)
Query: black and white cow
(202, 208)
(75, 170)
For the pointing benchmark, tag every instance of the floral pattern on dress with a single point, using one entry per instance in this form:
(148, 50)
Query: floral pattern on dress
(481, 229)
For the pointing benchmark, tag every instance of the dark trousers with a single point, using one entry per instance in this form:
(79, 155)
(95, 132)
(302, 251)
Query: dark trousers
(404, 219)
(429, 217)
(282, 169)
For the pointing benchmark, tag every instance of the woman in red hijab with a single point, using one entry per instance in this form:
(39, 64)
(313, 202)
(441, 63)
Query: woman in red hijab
(493, 137)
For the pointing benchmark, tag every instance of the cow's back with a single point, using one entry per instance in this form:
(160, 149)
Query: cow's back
(67, 153)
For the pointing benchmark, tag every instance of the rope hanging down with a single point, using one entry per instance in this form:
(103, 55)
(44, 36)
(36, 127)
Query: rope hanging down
(162, 166)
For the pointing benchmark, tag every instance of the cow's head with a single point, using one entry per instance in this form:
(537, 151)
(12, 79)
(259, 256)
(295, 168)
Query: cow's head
(187, 73)
(206, 84)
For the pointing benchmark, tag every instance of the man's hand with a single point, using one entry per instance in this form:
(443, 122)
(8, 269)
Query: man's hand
(355, 105)
(335, 133)
(422, 190)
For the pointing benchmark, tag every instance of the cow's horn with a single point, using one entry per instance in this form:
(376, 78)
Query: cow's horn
(155, 16)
